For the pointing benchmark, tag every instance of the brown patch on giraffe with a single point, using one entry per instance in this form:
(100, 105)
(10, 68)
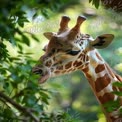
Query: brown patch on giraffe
(57, 72)
(98, 56)
(67, 66)
(99, 68)
(102, 82)
(76, 63)
(87, 58)
(86, 64)
(120, 89)
(48, 63)
(110, 71)
(84, 51)
(54, 58)
(114, 88)
(84, 58)
(60, 67)
(106, 98)
(88, 76)
(81, 55)
(86, 69)
(64, 71)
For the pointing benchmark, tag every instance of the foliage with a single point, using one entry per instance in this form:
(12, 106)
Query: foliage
(13, 16)
(96, 3)
(109, 4)
(114, 105)
(20, 85)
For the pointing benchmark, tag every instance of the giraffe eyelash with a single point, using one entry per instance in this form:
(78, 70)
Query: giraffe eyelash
(71, 52)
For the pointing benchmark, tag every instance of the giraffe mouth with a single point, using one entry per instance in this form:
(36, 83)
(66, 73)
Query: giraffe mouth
(43, 76)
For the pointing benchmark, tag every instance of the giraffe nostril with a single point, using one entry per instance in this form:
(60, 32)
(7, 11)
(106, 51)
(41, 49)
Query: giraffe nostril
(40, 71)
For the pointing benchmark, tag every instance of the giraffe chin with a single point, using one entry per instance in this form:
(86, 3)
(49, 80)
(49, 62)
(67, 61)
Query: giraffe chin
(44, 78)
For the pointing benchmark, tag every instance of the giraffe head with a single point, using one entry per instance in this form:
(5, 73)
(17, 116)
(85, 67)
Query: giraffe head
(67, 50)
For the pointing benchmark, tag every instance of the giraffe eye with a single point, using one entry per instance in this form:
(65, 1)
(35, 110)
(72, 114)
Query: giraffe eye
(71, 52)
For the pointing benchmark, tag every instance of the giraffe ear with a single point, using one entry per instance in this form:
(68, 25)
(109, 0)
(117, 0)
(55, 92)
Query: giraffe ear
(49, 35)
(102, 41)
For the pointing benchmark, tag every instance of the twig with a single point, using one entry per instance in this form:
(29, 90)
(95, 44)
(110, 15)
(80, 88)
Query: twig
(27, 111)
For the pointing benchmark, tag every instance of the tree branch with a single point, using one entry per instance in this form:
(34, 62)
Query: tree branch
(27, 111)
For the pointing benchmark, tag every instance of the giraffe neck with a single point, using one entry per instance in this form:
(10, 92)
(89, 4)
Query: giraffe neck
(100, 77)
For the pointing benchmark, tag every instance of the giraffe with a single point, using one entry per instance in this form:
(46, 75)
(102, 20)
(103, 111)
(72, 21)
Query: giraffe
(69, 50)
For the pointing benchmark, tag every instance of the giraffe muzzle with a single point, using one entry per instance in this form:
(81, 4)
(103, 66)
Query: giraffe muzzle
(44, 75)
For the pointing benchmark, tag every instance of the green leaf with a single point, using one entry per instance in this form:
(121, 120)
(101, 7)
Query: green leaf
(26, 40)
(12, 40)
(118, 84)
(97, 3)
(120, 111)
(8, 112)
(117, 93)
(38, 108)
(112, 105)
(6, 85)
(3, 70)
(31, 100)
(21, 24)
(14, 58)
(35, 38)
(44, 95)
(90, 1)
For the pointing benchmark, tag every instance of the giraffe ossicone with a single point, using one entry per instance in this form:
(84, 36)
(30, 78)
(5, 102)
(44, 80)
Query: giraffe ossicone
(69, 50)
